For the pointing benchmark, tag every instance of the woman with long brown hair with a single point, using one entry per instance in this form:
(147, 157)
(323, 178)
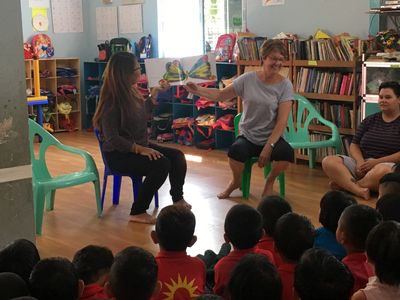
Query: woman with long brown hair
(122, 121)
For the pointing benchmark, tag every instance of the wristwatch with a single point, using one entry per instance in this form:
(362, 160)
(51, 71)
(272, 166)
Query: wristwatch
(272, 145)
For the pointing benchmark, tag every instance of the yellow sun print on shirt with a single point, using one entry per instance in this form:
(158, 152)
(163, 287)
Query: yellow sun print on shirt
(180, 289)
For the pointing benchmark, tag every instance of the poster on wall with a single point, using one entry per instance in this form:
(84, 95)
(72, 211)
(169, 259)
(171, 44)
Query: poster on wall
(130, 18)
(40, 21)
(106, 23)
(273, 2)
(67, 16)
(39, 3)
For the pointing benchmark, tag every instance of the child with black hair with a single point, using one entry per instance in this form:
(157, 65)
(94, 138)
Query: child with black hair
(19, 257)
(354, 225)
(389, 184)
(383, 248)
(12, 286)
(271, 208)
(331, 207)
(174, 232)
(389, 207)
(55, 278)
(243, 229)
(93, 265)
(133, 275)
(293, 235)
(320, 275)
(255, 278)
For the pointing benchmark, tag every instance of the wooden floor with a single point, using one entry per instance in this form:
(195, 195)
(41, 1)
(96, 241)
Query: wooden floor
(73, 223)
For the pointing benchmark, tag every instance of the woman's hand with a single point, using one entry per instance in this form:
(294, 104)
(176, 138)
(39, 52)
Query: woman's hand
(264, 157)
(150, 153)
(368, 165)
(191, 87)
(359, 172)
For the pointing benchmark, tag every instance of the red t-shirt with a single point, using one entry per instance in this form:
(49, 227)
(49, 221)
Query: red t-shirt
(267, 243)
(286, 272)
(182, 276)
(93, 292)
(225, 265)
(360, 268)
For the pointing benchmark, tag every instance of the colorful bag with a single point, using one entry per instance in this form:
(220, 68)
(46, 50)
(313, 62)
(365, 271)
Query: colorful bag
(144, 48)
(225, 122)
(224, 47)
(104, 51)
(120, 45)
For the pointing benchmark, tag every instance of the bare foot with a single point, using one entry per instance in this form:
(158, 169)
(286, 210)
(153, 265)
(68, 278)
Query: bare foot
(231, 187)
(268, 189)
(144, 218)
(364, 193)
(183, 203)
(334, 186)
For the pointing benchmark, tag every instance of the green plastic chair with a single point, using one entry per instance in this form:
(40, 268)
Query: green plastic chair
(297, 132)
(246, 174)
(44, 185)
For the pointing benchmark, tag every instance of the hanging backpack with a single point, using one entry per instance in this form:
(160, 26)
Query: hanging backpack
(120, 45)
(104, 51)
(224, 47)
(144, 48)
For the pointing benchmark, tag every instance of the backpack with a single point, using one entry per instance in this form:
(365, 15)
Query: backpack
(104, 51)
(224, 47)
(144, 48)
(120, 45)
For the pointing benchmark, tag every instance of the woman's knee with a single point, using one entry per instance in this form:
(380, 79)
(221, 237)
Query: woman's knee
(161, 165)
(238, 152)
(331, 161)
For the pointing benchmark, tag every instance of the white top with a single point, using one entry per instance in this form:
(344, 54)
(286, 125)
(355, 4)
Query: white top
(375, 290)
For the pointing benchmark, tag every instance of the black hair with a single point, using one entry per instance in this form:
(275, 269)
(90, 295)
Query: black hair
(383, 250)
(331, 207)
(320, 275)
(254, 277)
(293, 235)
(12, 286)
(356, 222)
(394, 85)
(391, 183)
(19, 257)
(54, 278)
(389, 207)
(243, 226)
(175, 227)
(272, 208)
(25, 298)
(92, 262)
(133, 274)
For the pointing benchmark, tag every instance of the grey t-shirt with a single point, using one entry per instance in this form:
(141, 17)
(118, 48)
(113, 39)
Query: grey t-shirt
(260, 105)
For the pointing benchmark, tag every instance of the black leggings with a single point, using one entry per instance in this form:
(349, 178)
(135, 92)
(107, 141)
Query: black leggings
(173, 163)
(242, 149)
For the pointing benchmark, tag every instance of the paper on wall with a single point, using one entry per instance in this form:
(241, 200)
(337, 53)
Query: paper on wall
(67, 15)
(130, 18)
(106, 23)
(39, 3)
(273, 2)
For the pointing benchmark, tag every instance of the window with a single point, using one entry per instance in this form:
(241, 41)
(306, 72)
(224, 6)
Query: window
(180, 28)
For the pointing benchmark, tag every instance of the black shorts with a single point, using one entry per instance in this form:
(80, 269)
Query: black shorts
(242, 150)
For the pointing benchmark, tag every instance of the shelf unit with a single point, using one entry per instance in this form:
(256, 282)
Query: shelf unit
(53, 84)
(170, 103)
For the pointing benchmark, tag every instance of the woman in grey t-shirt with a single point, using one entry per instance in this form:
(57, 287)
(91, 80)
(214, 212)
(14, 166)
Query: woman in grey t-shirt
(266, 97)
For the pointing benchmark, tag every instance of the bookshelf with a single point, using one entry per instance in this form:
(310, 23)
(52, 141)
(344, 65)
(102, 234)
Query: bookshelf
(60, 82)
